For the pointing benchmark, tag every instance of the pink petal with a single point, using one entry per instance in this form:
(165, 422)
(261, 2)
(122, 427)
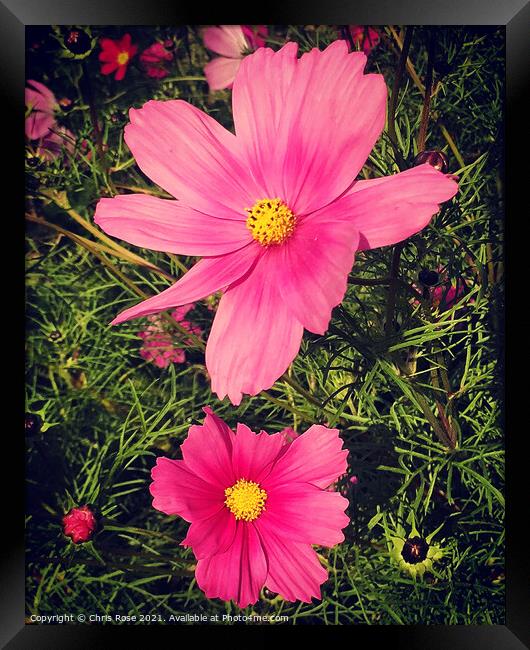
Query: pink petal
(213, 535)
(389, 209)
(305, 513)
(294, 570)
(177, 490)
(240, 573)
(168, 226)
(207, 451)
(254, 454)
(255, 34)
(192, 157)
(125, 42)
(40, 96)
(226, 40)
(53, 143)
(122, 69)
(207, 276)
(312, 267)
(38, 124)
(108, 45)
(155, 54)
(157, 73)
(254, 336)
(309, 123)
(109, 56)
(108, 68)
(180, 312)
(315, 457)
(221, 72)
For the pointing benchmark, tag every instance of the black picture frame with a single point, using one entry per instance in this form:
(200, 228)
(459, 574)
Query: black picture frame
(15, 15)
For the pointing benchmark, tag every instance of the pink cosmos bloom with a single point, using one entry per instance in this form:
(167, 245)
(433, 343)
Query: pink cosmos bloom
(445, 294)
(79, 524)
(40, 107)
(274, 209)
(116, 55)
(153, 59)
(232, 42)
(256, 505)
(159, 344)
(289, 435)
(365, 37)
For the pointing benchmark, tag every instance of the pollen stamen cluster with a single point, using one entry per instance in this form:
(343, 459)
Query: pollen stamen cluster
(245, 500)
(270, 221)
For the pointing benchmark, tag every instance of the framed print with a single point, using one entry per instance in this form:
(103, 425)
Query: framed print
(265, 266)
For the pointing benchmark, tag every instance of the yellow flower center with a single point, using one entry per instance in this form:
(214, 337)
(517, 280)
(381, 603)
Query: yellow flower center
(270, 221)
(245, 500)
(123, 57)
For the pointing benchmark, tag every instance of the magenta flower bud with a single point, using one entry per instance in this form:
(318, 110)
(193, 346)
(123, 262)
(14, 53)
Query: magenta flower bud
(79, 524)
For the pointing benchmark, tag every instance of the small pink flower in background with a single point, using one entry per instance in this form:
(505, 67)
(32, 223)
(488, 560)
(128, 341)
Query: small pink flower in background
(289, 435)
(274, 209)
(445, 293)
(79, 524)
(159, 345)
(40, 108)
(445, 296)
(256, 505)
(154, 59)
(54, 142)
(233, 43)
(40, 123)
(364, 37)
(116, 55)
(255, 35)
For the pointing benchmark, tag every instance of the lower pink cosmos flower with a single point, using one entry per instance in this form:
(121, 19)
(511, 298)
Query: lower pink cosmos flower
(159, 344)
(275, 209)
(154, 59)
(232, 42)
(365, 37)
(256, 505)
(40, 108)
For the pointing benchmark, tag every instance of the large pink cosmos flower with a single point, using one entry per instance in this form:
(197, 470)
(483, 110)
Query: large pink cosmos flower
(274, 209)
(232, 42)
(256, 504)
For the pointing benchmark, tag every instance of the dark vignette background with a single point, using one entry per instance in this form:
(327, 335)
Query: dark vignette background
(14, 15)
